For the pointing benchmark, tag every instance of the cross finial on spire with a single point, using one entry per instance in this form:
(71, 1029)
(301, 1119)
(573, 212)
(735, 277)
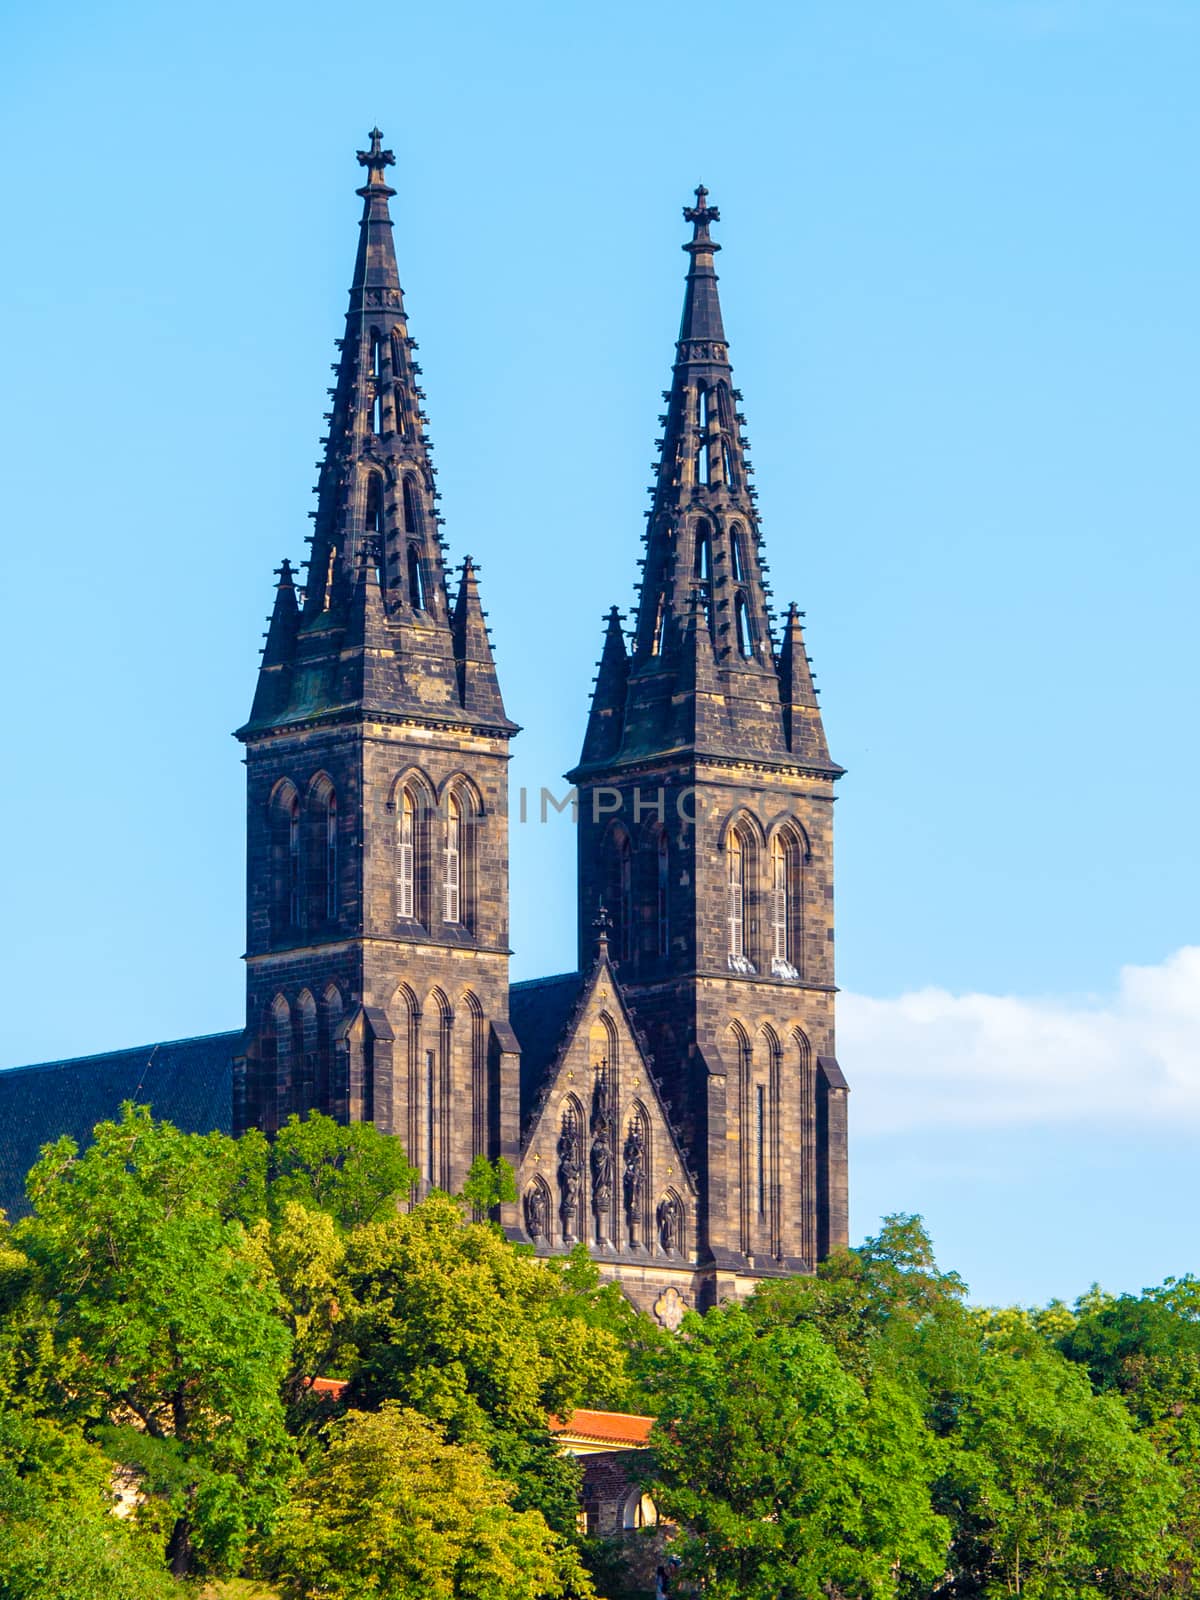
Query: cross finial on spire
(700, 215)
(375, 159)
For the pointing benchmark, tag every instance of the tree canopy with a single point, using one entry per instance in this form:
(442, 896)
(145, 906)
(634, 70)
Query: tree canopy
(861, 1433)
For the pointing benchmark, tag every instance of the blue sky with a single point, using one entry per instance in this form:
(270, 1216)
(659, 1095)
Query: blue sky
(959, 278)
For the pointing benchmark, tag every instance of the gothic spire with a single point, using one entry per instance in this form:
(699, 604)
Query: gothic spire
(376, 579)
(703, 672)
(376, 479)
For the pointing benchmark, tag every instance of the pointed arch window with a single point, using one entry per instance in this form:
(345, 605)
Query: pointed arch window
(745, 640)
(412, 514)
(619, 893)
(452, 881)
(704, 409)
(760, 1143)
(727, 465)
(656, 642)
(662, 884)
(737, 558)
(787, 906)
(736, 896)
(416, 580)
(331, 856)
(702, 569)
(374, 517)
(780, 902)
(376, 382)
(295, 865)
(406, 856)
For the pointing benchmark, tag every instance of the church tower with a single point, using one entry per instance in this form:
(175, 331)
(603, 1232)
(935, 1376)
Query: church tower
(376, 750)
(705, 836)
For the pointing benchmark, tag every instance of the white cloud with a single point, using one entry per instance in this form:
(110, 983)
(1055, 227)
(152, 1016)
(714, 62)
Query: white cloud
(933, 1058)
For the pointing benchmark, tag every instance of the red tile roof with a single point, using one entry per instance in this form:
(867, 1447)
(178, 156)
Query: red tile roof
(609, 1427)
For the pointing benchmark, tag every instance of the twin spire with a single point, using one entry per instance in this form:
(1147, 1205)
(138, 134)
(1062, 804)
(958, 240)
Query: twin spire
(374, 627)
(703, 673)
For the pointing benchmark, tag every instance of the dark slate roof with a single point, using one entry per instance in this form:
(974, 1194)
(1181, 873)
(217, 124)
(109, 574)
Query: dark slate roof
(539, 1011)
(185, 1081)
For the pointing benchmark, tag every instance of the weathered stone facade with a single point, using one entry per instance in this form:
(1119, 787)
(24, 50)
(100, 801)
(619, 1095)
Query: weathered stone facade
(377, 750)
(675, 1103)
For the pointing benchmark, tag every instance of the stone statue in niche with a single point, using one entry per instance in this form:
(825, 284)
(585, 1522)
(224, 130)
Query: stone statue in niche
(537, 1212)
(602, 1176)
(635, 1180)
(570, 1173)
(670, 1223)
(602, 1155)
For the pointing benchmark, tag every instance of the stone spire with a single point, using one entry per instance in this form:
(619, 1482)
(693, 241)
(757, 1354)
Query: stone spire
(703, 673)
(376, 526)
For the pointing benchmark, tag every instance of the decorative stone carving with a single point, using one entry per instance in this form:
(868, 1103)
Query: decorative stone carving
(670, 1308)
(670, 1223)
(537, 1212)
(635, 1180)
(602, 1174)
(570, 1173)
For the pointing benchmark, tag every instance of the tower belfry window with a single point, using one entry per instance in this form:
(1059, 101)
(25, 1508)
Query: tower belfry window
(331, 856)
(295, 876)
(662, 880)
(406, 846)
(703, 411)
(736, 890)
(453, 862)
(780, 897)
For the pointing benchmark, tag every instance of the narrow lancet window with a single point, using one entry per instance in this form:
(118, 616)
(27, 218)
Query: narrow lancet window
(745, 642)
(406, 847)
(331, 856)
(453, 862)
(737, 896)
(761, 1146)
(412, 523)
(374, 517)
(663, 881)
(781, 911)
(295, 874)
(416, 581)
(737, 561)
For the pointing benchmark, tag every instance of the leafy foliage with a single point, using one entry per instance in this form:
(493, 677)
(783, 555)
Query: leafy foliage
(794, 1479)
(354, 1174)
(390, 1509)
(167, 1328)
(859, 1434)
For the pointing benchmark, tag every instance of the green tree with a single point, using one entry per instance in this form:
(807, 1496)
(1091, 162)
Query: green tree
(58, 1536)
(489, 1184)
(355, 1173)
(1052, 1493)
(389, 1509)
(168, 1340)
(874, 1303)
(793, 1479)
(446, 1316)
(1145, 1350)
